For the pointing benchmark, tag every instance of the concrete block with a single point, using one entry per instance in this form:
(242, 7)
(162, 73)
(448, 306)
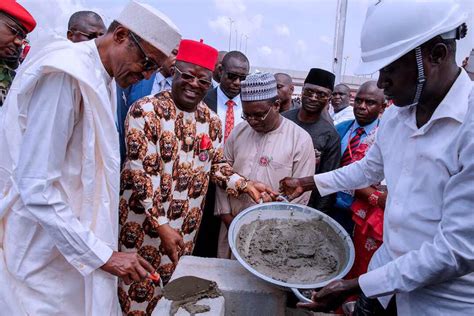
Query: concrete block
(244, 293)
(217, 306)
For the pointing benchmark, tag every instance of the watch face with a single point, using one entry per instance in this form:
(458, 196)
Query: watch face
(204, 155)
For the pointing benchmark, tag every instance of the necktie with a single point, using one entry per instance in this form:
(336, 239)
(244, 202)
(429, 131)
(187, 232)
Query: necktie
(229, 119)
(351, 147)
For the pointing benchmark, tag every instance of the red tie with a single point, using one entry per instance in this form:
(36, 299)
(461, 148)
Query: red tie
(351, 147)
(229, 119)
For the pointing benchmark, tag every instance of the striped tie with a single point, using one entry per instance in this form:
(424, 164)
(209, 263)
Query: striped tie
(352, 146)
(229, 119)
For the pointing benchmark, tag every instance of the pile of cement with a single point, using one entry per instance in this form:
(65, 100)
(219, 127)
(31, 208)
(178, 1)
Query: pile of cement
(292, 251)
(186, 291)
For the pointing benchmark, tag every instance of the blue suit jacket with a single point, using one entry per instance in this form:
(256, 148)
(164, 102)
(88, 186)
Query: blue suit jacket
(125, 98)
(344, 200)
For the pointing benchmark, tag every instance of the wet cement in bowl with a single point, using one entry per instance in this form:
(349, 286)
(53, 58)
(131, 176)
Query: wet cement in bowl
(292, 251)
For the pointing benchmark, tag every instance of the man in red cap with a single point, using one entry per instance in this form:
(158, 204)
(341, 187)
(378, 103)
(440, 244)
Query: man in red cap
(15, 23)
(173, 149)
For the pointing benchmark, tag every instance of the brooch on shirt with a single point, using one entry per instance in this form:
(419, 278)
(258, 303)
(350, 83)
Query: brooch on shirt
(204, 147)
(264, 161)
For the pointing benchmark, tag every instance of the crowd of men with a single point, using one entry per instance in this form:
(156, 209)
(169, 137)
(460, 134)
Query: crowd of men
(127, 147)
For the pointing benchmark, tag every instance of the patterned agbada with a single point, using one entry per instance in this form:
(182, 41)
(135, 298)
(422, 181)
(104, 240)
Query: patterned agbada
(171, 157)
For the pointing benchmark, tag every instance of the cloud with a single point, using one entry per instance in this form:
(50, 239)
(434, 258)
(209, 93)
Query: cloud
(220, 25)
(326, 39)
(301, 46)
(264, 50)
(282, 30)
(231, 7)
(244, 25)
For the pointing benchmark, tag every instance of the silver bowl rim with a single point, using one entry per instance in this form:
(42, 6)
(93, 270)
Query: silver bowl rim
(350, 252)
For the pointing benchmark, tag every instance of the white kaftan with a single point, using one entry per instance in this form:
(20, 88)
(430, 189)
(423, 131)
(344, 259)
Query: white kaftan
(287, 151)
(59, 186)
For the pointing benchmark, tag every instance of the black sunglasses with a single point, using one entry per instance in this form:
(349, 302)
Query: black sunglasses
(89, 36)
(233, 76)
(148, 64)
(190, 78)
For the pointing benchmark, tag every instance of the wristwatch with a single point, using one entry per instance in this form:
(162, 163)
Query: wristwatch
(162, 220)
(374, 198)
(242, 185)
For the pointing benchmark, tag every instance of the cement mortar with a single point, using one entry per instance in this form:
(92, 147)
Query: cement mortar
(292, 251)
(186, 291)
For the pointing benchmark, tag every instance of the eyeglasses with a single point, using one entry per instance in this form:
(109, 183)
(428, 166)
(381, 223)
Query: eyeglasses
(190, 78)
(258, 118)
(148, 64)
(89, 36)
(17, 32)
(319, 94)
(233, 76)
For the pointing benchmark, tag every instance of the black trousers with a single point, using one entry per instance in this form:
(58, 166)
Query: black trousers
(371, 307)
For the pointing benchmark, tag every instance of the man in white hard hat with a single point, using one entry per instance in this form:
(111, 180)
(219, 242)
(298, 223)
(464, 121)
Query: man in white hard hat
(59, 170)
(425, 150)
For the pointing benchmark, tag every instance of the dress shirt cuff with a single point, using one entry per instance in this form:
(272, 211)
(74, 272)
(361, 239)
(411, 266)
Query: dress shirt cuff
(323, 183)
(93, 259)
(374, 284)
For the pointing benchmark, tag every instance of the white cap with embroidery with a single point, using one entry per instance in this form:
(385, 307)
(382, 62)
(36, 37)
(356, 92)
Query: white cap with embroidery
(151, 25)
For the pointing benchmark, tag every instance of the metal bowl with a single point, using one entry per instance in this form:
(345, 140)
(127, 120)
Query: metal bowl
(282, 210)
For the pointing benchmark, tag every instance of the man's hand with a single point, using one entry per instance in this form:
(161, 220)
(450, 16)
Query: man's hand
(227, 219)
(382, 200)
(332, 295)
(294, 187)
(128, 266)
(171, 241)
(260, 192)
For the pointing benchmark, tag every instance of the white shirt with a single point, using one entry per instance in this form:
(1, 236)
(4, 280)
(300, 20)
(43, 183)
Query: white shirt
(222, 108)
(345, 114)
(427, 256)
(161, 83)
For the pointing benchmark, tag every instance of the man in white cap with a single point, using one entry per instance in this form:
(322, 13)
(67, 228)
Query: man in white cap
(424, 148)
(59, 170)
(266, 147)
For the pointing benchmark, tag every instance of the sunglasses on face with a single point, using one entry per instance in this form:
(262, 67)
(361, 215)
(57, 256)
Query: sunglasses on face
(318, 94)
(233, 76)
(148, 64)
(190, 78)
(89, 36)
(258, 118)
(17, 32)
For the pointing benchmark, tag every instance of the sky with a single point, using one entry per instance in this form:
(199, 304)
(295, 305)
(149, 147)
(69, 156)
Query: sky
(295, 35)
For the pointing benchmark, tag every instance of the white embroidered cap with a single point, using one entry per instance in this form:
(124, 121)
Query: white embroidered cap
(151, 25)
(258, 86)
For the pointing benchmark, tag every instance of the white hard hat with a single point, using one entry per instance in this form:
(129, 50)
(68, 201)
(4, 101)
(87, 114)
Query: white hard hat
(393, 28)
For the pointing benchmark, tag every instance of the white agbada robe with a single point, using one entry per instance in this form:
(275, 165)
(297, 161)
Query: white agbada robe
(59, 186)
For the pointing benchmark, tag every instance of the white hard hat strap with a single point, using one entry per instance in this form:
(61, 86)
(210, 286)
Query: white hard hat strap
(421, 75)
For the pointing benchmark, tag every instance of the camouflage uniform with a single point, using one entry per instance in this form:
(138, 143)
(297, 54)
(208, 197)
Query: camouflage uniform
(6, 78)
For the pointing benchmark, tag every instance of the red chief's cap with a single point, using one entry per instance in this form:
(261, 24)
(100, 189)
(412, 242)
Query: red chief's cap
(16, 11)
(197, 53)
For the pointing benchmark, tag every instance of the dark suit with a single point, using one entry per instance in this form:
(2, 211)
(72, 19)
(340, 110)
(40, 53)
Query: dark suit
(207, 238)
(125, 98)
